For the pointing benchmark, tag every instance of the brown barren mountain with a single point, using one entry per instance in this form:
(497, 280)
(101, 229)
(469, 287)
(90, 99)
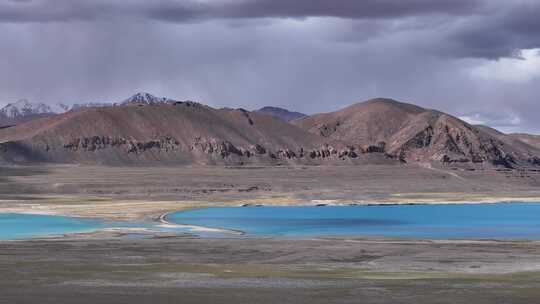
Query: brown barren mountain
(379, 130)
(179, 132)
(414, 134)
(6, 122)
(533, 140)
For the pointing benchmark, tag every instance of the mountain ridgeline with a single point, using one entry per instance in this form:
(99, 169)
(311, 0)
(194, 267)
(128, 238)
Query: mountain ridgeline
(281, 114)
(145, 129)
(182, 132)
(414, 134)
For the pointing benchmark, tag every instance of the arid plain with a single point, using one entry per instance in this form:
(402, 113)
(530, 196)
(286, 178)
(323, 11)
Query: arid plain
(143, 192)
(88, 268)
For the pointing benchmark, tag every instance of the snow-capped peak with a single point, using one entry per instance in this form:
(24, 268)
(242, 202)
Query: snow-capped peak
(23, 108)
(62, 108)
(146, 98)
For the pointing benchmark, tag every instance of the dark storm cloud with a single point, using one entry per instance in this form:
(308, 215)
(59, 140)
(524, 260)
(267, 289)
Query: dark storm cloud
(472, 28)
(188, 10)
(306, 55)
(491, 30)
(351, 9)
(500, 33)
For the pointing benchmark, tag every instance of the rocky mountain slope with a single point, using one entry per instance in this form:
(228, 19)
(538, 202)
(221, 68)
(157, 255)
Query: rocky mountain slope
(145, 128)
(281, 114)
(533, 140)
(179, 132)
(414, 134)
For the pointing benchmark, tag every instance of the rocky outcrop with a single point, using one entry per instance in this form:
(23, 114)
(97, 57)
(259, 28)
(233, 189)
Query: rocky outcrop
(94, 143)
(245, 113)
(534, 160)
(188, 103)
(451, 141)
(258, 149)
(380, 147)
(224, 149)
(327, 129)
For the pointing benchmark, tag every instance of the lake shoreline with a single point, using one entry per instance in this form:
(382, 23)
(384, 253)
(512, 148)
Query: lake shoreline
(163, 222)
(137, 210)
(160, 220)
(133, 193)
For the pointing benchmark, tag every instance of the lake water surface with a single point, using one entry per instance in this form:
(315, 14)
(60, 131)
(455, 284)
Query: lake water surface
(20, 226)
(461, 221)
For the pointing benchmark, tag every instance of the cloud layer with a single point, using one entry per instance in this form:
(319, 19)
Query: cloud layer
(189, 10)
(473, 58)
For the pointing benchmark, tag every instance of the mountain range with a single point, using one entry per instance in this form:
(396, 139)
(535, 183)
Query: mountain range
(23, 110)
(147, 129)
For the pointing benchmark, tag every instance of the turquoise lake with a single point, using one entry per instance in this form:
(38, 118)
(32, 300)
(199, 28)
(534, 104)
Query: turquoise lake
(20, 226)
(462, 221)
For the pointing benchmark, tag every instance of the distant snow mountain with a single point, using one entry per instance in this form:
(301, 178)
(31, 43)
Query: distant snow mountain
(146, 98)
(281, 114)
(24, 108)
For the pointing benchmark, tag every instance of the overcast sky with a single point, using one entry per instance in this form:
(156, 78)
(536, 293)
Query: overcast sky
(477, 59)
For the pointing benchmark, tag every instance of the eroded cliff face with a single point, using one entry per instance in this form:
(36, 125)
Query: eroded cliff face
(225, 149)
(448, 141)
(413, 134)
(94, 143)
(222, 148)
(439, 143)
(199, 148)
(214, 146)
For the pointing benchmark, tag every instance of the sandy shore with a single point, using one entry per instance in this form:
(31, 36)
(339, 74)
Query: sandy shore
(196, 229)
(118, 210)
